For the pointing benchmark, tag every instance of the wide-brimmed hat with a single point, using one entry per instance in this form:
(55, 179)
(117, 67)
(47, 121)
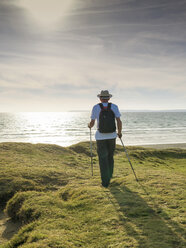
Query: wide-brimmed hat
(105, 94)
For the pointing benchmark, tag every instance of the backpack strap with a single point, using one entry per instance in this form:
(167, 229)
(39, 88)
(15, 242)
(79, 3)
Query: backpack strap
(108, 107)
(101, 106)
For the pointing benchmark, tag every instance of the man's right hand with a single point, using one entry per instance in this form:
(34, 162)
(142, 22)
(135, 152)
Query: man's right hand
(91, 124)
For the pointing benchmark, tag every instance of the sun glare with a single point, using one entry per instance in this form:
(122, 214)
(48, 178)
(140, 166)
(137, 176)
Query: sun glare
(47, 12)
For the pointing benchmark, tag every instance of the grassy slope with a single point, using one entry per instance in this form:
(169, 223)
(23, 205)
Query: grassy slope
(50, 190)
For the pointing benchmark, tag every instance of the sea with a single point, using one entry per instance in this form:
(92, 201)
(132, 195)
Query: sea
(67, 128)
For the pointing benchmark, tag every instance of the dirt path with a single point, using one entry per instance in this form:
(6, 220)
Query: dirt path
(7, 228)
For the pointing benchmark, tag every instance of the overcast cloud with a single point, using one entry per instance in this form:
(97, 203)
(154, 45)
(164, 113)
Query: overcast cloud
(57, 55)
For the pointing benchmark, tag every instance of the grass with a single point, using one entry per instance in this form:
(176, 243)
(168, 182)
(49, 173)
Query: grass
(50, 191)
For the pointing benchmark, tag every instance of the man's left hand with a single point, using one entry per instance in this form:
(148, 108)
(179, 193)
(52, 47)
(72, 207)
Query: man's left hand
(120, 135)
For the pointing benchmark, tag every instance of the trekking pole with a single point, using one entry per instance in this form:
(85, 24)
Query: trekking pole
(129, 160)
(91, 151)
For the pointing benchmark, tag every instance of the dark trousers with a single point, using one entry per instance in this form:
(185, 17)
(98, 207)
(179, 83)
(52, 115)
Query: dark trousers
(105, 150)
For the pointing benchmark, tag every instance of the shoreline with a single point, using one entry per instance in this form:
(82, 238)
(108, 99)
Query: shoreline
(155, 146)
(165, 146)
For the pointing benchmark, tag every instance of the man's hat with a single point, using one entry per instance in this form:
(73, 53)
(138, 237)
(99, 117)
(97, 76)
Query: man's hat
(104, 94)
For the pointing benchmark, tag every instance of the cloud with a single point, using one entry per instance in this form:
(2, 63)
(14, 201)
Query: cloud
(54, 75)
(129, 47)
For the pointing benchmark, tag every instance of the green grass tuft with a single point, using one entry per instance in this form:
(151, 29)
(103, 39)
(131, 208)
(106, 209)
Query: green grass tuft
(50, 191)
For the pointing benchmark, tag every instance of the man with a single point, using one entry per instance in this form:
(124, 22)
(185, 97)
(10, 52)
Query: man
(106, 113)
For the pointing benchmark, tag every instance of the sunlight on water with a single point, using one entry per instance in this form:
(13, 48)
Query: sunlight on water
(68, 128)
(64, 128)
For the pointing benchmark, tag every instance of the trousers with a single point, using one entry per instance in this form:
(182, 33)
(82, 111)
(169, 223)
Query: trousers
(105, 150)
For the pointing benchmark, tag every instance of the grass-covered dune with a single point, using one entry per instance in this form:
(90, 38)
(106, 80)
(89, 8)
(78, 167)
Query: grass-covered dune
(50, 191)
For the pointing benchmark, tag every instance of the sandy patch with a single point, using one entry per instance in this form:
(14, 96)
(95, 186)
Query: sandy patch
(166, 146)
(7, 227)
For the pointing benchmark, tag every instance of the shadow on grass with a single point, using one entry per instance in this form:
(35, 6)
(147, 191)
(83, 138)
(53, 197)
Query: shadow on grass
(143, 223)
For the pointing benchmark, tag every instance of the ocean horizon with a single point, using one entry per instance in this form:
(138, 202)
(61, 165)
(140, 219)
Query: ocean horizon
(144, 127)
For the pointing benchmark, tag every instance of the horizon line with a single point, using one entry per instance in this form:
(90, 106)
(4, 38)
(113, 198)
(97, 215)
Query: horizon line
(81, 110)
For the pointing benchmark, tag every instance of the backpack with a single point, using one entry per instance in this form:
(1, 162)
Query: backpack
(106, 119)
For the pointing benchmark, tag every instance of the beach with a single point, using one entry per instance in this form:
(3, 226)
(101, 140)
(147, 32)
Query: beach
(166, 146)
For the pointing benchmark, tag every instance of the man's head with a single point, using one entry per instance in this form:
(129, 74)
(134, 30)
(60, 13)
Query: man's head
(104, 96)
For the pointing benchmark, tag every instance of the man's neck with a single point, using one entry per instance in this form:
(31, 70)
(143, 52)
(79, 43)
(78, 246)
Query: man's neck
(104, 101)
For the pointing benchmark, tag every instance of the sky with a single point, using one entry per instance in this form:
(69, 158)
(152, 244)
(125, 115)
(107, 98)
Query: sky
(57, 55)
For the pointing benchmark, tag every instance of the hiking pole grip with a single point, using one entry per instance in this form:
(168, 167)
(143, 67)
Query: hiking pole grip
(129, 160)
